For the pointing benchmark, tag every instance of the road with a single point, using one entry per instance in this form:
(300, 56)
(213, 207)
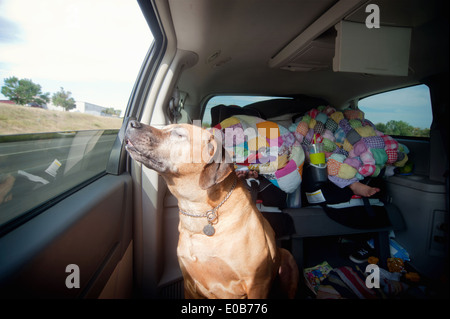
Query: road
(82, 154)
(35, 155)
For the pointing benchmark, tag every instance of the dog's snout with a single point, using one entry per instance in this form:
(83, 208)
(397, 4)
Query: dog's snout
(134, 124)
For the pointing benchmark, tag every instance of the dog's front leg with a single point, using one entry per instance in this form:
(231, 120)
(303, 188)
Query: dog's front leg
(259, 290)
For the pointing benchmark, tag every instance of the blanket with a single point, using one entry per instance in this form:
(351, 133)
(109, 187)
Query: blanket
(354, 148)
(263, 146)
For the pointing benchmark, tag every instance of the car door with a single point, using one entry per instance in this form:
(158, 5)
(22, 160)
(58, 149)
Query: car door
(66, 210)
(414, 115)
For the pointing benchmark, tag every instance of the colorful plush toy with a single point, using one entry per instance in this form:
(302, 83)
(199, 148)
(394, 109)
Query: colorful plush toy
(263, 146)
(354, 148)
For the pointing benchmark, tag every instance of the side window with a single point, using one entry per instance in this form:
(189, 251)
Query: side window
(237, 100)
(402, 112)
(67, 71)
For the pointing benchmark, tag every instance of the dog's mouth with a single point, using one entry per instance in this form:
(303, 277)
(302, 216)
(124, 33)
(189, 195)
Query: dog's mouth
(131, 148)
(144, 158)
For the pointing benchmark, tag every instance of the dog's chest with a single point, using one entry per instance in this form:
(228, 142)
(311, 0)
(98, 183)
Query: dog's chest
(211, 271)
(195, 248)
(208, 256)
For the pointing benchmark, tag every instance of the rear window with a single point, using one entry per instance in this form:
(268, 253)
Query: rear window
(237, 100)
(403, 112)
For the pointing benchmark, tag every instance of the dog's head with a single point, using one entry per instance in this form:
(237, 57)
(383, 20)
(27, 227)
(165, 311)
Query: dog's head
(180, 150)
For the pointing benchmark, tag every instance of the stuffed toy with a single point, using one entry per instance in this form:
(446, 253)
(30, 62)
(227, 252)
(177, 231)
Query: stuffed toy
(263, 146)
(354, 148)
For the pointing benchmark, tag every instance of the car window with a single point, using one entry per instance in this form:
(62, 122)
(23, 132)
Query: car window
(67, 69)
(401, 112)
(237, 100)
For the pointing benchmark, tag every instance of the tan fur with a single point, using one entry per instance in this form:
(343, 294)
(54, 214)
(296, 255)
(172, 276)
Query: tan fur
(241, 259)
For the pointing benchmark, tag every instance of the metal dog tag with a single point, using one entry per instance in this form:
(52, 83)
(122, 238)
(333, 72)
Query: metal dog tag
(209, 230)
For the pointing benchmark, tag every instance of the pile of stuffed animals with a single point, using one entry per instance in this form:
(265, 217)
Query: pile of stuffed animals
(354, 148)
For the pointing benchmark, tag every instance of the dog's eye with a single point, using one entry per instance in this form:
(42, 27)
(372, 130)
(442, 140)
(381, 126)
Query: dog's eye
(178, 133)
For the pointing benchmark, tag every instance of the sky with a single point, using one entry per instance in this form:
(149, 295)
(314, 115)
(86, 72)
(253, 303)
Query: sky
(93, 49)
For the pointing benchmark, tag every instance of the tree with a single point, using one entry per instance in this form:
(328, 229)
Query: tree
(63, 99)
(112, 112)
(401, 128)
(381, 127)
(24, 91)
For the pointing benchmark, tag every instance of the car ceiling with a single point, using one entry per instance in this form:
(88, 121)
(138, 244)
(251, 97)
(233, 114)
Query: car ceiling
(236, 40)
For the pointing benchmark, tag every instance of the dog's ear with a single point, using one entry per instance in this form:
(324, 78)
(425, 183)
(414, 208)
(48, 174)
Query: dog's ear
(214, 173)
(218, 167)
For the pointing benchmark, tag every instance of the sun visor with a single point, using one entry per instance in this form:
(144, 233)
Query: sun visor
(382, 51)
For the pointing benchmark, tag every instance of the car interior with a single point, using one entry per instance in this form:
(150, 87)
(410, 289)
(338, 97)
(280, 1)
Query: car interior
(122, 228)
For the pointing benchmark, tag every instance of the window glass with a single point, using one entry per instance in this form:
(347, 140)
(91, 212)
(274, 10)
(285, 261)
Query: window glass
(402, 112)
(67, 69)
(237, 100)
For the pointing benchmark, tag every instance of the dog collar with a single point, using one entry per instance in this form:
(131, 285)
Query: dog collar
(211, 215)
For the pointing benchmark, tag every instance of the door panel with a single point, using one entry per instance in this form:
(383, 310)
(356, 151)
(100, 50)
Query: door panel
(92, 229)
(420, 200)
(421, 197)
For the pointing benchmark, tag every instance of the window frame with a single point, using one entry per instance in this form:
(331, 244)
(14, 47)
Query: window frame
(118, 158)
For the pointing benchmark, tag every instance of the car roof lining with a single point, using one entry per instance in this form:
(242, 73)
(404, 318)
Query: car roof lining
(235, 40)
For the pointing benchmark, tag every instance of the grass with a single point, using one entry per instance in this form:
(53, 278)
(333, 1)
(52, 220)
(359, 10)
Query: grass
(16, 119)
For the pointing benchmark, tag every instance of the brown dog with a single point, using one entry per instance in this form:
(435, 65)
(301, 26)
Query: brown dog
(226, 248)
